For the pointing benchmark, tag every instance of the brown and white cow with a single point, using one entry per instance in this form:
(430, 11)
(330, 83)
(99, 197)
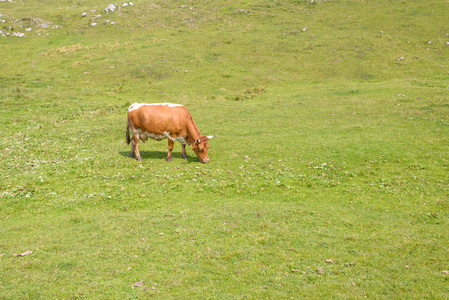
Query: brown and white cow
(160, 121)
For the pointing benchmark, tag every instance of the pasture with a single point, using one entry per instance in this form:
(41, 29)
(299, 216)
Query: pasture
(328, 177)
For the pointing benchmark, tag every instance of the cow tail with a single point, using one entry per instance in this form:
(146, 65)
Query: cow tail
(128, 138)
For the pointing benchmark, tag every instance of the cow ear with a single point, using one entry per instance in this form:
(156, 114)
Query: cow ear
(195, 144)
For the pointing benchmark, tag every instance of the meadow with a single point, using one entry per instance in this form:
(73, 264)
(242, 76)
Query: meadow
(328, 177)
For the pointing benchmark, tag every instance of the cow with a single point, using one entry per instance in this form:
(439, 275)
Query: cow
(160, 121)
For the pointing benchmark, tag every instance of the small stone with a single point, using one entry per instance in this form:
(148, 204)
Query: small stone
(29, 252)
(138, 284)
(110, 8)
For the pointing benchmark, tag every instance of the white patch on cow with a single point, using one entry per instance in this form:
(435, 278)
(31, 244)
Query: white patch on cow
(181, 140)
(135, 106)
(144, 135)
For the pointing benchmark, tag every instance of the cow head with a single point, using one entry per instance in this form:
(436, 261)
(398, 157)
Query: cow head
(200, 147)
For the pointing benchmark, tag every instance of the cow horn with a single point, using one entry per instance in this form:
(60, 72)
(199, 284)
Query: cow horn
(211, 136)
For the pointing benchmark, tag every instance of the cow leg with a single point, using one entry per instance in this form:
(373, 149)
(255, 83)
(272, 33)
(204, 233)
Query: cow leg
(184, 153)
(131, 154)
(171, 144)
(135, 148)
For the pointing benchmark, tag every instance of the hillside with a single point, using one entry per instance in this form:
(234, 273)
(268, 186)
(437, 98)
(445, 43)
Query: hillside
(328, 177)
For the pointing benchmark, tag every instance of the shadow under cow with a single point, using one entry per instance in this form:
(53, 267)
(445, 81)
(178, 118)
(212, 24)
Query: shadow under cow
(161, 155)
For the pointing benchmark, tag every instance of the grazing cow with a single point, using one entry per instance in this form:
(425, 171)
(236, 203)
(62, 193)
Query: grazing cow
(159, 121)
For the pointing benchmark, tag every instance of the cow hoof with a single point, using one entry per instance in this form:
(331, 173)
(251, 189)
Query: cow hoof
(185, 157)
(139, 158)
(169, 159)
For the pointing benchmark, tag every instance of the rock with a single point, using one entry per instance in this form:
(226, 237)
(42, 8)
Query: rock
(29, 252)
(138, 284)
(84, 14)
(111, 8)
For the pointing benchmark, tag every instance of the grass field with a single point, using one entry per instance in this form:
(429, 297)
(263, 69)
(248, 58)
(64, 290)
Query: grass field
(328, 177)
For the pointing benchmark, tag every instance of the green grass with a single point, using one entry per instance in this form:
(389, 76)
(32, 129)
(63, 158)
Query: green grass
(332, 143)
